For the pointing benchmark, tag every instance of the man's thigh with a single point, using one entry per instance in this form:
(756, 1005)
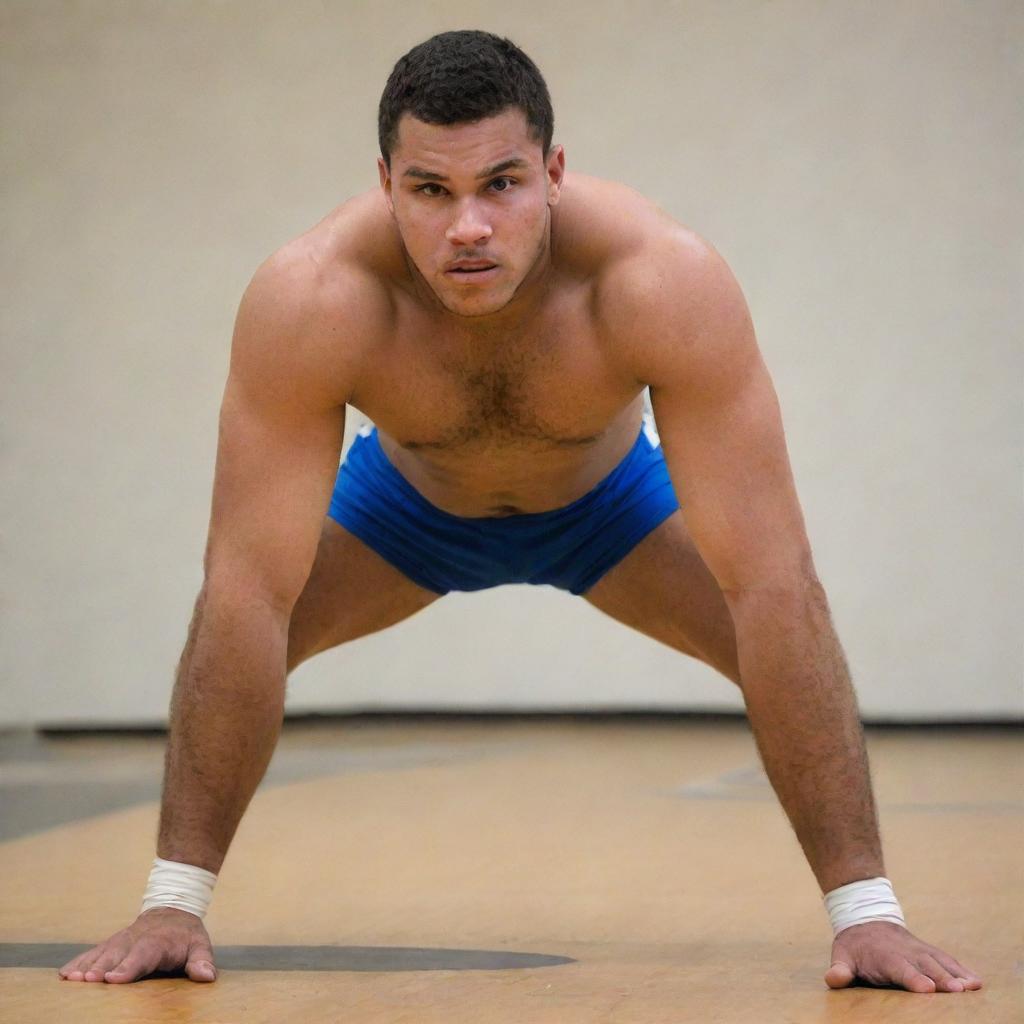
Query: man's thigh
(664, 589)
(351, 591)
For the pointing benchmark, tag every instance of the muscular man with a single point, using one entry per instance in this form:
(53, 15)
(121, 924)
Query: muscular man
(499, 321)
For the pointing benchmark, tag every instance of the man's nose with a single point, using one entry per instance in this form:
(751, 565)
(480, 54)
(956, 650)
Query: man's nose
(469, 227)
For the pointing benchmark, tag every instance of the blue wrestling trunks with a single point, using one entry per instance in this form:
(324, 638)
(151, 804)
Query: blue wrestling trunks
(570, 547)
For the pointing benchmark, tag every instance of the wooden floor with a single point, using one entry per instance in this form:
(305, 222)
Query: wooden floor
(485, 871)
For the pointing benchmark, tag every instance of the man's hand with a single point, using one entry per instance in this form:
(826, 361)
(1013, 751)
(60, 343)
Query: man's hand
(881, 953)
(161, 939)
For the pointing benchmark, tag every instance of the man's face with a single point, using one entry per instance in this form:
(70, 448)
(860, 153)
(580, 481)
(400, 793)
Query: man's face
(474, 193)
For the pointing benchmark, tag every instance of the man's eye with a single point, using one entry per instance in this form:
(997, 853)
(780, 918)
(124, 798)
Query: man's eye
(430, 184)
(508, 183)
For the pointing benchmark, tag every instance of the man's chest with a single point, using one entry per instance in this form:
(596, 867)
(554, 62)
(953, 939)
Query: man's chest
(555, 387)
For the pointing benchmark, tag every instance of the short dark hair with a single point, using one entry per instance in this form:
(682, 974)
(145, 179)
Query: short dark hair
(458, 77)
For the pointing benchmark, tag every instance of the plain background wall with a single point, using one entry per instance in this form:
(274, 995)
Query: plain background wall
(857, 163)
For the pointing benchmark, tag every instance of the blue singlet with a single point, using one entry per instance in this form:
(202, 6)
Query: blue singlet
(570, 547)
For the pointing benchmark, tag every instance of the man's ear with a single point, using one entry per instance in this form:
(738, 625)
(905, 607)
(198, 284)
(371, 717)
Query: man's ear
(385, 184)
(555, 168)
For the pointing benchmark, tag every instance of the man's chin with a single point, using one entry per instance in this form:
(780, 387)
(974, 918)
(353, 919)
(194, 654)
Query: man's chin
(474, 306)
(471, 314)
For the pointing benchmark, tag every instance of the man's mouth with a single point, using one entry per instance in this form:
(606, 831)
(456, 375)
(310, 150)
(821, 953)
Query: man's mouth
(483, 272)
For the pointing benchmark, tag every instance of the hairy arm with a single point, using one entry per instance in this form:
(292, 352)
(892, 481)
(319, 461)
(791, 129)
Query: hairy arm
(718, 416)
(294, 358)
(281, 426)
(691, 339)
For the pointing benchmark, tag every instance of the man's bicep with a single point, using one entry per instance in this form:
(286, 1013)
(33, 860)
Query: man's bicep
(281, 424)
(272, 485)
(729, 464)
(721, 427)
(674, 314)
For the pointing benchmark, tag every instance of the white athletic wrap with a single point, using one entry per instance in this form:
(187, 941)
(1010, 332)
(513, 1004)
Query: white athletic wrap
(183, 886)
(869, 900)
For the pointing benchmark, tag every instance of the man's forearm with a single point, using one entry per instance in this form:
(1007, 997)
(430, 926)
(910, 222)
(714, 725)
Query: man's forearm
(226, 715)
(803, 712)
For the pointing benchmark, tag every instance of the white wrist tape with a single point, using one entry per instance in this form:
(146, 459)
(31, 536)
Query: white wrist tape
(183, 886)
(869, 900)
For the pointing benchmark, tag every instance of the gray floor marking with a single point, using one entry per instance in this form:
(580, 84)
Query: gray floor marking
(42, 789)
(308, 958)
(976, 807)
(750, 784)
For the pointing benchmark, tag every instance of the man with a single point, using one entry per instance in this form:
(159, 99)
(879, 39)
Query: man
(499, 320)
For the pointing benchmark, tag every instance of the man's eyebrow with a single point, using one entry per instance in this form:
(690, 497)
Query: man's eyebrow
(516, 163)
(416, 172)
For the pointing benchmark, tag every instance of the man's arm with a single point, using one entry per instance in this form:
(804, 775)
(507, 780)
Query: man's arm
(280, 435)
(278, 447)
(721, 429)
(718, 417)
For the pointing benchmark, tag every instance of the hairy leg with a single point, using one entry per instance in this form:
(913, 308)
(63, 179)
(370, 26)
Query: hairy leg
(351, 591)
(663, 589)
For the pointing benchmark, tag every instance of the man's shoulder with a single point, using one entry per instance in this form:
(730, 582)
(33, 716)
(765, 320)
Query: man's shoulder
(337, 268)
(317, 305)
(658, 284)
(636, 253)
(604, 223)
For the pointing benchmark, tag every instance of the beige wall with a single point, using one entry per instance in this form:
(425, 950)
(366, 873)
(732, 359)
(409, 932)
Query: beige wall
(857, 163)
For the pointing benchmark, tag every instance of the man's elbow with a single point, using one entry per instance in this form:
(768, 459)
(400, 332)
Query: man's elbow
(786, 609)
(780, 573)
(233, 587)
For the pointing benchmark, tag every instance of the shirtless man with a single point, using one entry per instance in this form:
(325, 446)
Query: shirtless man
(499, 321)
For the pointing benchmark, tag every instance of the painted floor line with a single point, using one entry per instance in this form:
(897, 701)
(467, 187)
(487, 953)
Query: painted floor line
(308, 958)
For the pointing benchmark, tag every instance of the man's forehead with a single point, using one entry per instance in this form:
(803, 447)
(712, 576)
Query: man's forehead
(471, 147)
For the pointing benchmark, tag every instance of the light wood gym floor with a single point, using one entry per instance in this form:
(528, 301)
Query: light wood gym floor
(551, 870)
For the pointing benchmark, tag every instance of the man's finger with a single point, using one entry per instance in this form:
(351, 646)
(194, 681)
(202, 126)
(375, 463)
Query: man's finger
(122, 971)
(85, 962)
(200, 961)
(70, 967)
(99, 967)
(943, 979)
(201, 970)
(137, 964)
(911, 978)
(839, 975)
(970, 979)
